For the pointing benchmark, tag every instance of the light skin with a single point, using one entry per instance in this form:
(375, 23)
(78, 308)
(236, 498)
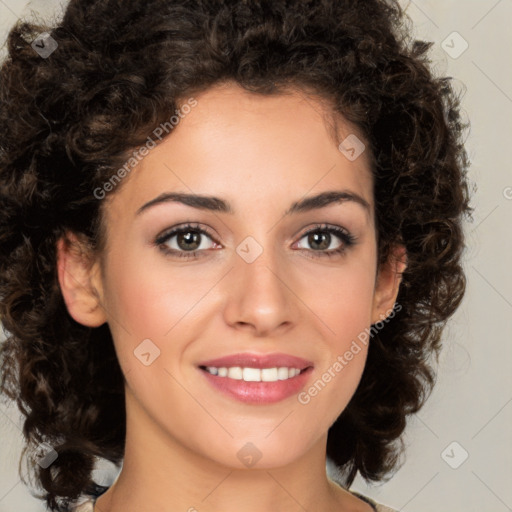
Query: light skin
(260, 154)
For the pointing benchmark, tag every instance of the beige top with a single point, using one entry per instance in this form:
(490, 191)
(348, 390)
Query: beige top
(88, 506)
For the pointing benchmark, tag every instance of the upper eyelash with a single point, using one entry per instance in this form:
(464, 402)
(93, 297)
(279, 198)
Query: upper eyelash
(346, 238)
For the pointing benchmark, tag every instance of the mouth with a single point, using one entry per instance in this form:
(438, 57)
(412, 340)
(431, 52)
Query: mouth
(256, 378)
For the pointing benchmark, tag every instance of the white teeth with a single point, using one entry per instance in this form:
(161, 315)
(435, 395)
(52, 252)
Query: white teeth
(255, 374)
(251, 375)
(235, 373)
(282, 373)
(269, 374)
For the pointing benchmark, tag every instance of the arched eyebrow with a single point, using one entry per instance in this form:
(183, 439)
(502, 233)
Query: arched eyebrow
(216, 204)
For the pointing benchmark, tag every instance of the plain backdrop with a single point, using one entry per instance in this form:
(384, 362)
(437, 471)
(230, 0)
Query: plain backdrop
(460, 445)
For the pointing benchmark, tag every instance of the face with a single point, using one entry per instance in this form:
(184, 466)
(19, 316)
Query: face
(262, 273)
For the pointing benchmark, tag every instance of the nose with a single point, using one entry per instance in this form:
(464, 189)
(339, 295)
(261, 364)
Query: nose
(260, 296)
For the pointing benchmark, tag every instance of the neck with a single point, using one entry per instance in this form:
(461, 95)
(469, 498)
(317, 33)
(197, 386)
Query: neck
(160, 473)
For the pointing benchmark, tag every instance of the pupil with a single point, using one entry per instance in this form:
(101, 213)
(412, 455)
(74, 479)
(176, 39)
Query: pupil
(313, 239)
(189, 237)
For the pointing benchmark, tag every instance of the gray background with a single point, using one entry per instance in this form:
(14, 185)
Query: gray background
(471, 405)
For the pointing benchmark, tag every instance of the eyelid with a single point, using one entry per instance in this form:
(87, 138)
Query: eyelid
(323, 226)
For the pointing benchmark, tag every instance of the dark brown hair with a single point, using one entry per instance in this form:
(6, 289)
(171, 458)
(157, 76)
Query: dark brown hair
(68, 121)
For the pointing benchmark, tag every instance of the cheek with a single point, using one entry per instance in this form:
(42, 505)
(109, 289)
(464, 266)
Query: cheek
(342, 298)
(150, 299)
(342, 302)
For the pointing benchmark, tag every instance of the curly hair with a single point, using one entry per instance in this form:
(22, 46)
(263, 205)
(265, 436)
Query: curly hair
(69, 120)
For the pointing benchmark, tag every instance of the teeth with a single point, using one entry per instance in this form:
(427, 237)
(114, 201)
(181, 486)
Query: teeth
(255, 374)
(235, 373)
(269, 374)
(251, 374)
(282, 373)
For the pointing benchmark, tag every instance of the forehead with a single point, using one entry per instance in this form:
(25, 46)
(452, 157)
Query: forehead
(237, 143)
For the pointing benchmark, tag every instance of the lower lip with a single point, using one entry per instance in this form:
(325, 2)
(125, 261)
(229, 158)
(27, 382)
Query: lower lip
(259, 392)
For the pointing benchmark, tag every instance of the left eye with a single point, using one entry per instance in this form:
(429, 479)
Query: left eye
(185, 239)
(320, 239)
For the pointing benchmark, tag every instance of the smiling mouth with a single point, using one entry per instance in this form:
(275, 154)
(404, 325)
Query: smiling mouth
(248, 374)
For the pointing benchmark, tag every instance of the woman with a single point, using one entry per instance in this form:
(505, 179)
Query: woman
(230, 239)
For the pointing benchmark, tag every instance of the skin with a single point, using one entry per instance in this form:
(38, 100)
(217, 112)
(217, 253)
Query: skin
(259, 153)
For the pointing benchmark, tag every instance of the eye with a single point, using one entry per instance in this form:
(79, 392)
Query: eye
(322, 237)
(184, 241)
(192, 241)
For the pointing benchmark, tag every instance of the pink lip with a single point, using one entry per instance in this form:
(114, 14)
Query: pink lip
(259, 392)
(248, 360)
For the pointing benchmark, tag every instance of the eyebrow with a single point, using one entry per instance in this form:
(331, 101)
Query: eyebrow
(216, 204)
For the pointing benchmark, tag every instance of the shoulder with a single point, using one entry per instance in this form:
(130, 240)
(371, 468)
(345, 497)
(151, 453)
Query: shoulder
(88, 506)
(383, 508)
(376, 506)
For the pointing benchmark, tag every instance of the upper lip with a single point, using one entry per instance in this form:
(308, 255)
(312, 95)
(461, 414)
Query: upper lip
(252, 360)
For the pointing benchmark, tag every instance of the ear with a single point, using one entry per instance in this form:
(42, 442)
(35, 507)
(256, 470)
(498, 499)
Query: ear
(389, 277)
(80, 281)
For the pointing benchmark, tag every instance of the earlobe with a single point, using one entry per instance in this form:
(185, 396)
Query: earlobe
(80, 282)
(388, 283)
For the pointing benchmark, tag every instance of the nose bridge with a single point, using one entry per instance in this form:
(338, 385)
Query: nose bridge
(259, 294)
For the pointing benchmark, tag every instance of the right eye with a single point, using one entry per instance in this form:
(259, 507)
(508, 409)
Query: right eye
(185, 241)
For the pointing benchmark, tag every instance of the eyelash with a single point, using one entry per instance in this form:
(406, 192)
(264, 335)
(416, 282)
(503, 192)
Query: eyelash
(347, 239)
